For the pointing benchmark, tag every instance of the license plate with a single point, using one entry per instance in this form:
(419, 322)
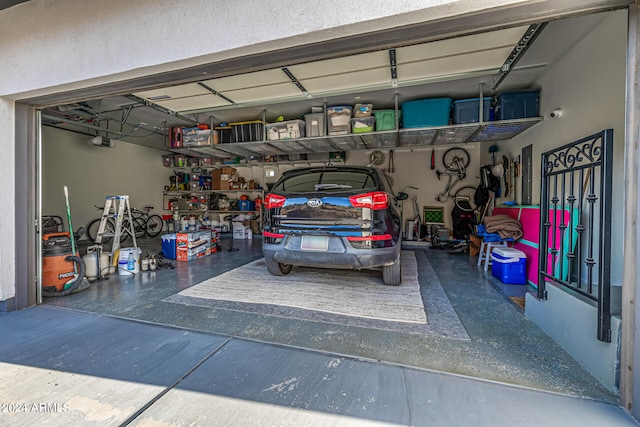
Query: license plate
(314, 243)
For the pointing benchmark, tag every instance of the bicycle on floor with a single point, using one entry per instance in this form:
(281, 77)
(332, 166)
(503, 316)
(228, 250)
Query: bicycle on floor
(109, 230)
(143, 224)
(456, 161)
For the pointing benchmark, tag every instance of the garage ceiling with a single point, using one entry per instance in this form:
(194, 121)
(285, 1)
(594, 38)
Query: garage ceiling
(456, 67)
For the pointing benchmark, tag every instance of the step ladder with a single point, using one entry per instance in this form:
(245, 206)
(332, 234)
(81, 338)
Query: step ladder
(116, 207)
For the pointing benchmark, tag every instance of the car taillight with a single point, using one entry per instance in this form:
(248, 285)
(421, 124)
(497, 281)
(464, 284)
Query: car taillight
(273, 235)
(375, 200)
(369, 238)
(274, 201)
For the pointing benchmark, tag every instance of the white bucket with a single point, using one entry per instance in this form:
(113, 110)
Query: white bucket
(91, 265)
(123, 261)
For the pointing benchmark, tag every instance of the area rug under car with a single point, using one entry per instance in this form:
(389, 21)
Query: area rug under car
(353, 298)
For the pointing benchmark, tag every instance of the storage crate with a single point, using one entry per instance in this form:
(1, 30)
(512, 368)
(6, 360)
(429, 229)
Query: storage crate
(291, 129)
(509, 265)
(196, 137)
(363, 124)
(180, 161)
(314, 124)
(468, 110)
(518, 105)
(247, 131)
(433, 214)
(339, 120)
(362, 110)
(386, 119)
(426, 112)
(225, 134)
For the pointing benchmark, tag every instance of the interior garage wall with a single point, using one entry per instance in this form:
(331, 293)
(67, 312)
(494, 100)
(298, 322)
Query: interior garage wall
(589, 85)
(412, 168)
(91, 173)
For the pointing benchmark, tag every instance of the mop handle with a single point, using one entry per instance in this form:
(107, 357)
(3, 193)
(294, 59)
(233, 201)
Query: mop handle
(73, 243)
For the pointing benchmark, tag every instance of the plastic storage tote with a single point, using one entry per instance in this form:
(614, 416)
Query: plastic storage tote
(386, 119)
(426, 112)
(362, 110)
(291, 129)
(468, 110)
(339, 120)
(509, 265)
(517, 105)
(314, 124)
(363, 124)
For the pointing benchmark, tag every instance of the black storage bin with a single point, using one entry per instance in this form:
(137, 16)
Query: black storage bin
(225, 134)
(517, 105)
(247, 131)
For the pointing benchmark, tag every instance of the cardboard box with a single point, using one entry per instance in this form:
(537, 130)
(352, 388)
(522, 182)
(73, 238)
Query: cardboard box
(192, 245)
(226, 170)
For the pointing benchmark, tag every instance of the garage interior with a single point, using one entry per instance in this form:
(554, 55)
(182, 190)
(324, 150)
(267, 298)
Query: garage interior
(497, 343)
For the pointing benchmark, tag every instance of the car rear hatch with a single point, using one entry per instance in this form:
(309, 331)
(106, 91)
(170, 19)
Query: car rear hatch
(327, 203)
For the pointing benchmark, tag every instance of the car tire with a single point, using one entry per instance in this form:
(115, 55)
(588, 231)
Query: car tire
(277, 268)
(391, 274)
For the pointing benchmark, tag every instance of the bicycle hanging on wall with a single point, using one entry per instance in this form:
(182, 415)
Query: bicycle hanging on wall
(456, 160)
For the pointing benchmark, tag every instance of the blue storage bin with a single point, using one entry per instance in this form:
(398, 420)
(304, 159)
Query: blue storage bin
(426, 112)
(509, 266)
(468, 110)
(518, 105)
(169, 246)
(246, 205)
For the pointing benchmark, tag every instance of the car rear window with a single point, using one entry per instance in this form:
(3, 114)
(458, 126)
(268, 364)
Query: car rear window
(326, 181)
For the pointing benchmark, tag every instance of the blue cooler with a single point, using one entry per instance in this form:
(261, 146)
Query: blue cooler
(169, 246)
(509, 265)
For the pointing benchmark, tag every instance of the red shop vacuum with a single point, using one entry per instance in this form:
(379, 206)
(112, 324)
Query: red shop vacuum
(62, 268)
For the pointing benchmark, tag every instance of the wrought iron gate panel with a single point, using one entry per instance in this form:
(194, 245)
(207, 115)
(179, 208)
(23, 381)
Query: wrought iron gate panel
(575, 222)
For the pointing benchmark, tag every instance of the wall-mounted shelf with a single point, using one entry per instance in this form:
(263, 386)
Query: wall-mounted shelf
(441, 135)
(206, 192)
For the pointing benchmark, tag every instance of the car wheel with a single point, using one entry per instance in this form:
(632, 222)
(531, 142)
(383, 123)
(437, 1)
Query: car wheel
(277, 268)
(391, 274)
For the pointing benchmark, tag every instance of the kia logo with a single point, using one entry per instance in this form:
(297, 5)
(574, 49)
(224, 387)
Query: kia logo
(314, 203)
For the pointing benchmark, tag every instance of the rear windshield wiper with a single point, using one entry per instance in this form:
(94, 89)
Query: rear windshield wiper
(319, 187)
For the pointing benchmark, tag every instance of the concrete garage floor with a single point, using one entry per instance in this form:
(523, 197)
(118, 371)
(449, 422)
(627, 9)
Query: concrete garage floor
(252, 369)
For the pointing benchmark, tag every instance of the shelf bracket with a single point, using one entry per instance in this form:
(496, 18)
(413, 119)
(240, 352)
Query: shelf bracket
(394, 67)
